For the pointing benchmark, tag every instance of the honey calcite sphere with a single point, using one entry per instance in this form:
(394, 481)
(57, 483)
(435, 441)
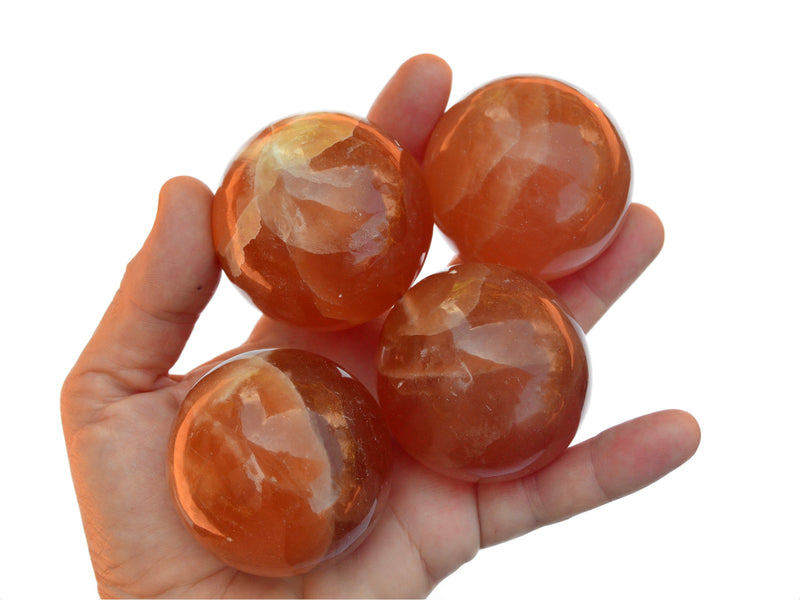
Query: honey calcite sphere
(530, 173)
(323, 221)
(279, 460)
(482, 374)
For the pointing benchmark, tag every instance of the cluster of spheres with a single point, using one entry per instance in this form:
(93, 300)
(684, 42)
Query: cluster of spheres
(280, 459)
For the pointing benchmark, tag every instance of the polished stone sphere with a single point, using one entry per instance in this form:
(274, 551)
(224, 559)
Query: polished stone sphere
(530, 173)
(482, 373)
(323, 221)
(279, 460)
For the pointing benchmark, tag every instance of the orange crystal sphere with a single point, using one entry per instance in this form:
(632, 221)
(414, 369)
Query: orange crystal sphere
(482, 374)
(279, 460)
(323, 221)
(530, 173)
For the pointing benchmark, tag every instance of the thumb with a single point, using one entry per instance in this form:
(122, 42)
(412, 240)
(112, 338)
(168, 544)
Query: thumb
(165, 287)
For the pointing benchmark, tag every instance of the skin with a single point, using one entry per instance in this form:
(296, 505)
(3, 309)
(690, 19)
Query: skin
(119, 401)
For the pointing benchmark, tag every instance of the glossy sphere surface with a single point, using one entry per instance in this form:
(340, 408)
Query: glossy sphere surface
(481, 373)
(323, 221)
(529, 173)
(279, 460)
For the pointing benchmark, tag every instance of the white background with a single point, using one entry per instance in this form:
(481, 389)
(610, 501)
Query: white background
(100, 103)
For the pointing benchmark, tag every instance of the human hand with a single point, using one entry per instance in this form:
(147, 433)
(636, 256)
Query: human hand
(119, 402)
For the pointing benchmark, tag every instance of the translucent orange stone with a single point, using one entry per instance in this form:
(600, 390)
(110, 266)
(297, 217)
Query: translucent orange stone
(530, 173)
(482, 374)
(279, 460)
(322, 220)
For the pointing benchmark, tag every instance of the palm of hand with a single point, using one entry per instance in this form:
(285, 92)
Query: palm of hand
(119, 404)
(140, 547)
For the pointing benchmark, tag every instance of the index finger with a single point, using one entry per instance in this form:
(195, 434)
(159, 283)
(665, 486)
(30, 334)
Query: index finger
(412, 102)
